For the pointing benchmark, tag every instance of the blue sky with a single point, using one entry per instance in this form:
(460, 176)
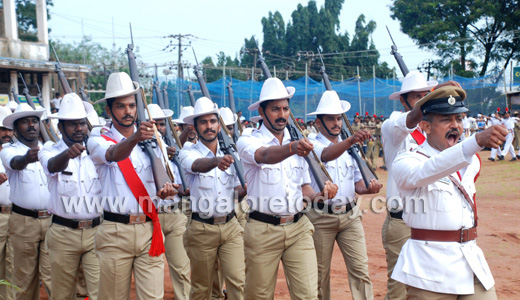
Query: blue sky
(217, 25)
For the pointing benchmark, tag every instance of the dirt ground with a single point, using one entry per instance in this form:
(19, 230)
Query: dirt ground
(498, 197)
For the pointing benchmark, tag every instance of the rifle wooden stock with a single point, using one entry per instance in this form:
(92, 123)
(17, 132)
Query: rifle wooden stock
(226, 144)
(15, 95)
(171, 137)
(159, 172)
(192, 97)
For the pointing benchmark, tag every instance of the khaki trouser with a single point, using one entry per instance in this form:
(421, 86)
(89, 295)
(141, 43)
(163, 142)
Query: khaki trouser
(394, 233)
(204, 244)
(347, 231)
(375, 153)
(242, 209)
(481, 293)
(121, 249)
(68, 248)
(370, 153)
(266, 245)
(31, 259)
(173, 225)
(517, 139)
(6, 259)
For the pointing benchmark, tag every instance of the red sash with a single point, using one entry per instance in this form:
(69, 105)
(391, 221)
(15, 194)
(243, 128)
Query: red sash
(418, 136)
(139, 191)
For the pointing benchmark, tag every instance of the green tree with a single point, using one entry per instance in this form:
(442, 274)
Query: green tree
(458, 28)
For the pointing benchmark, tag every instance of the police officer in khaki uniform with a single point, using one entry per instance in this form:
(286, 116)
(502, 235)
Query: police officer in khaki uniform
(278, 178)
(30, 219)
(72, 178)
(378, 145)
(125, 241)
(6, 248)
(214, 232)
(339, 219)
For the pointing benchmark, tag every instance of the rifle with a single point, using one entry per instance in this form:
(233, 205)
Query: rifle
(346, 131)
(159, 172)
(237, 129)
(398, 57)
(46, 132)
(192, 97)
(61, 76)
(170, 137)
(224, 140)
(316, 167)
(15, 95)
(82, 93)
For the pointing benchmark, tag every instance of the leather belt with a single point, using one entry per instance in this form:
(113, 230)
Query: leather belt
(131, 219)
(213, 220)
(333, 209)
(35, 213)
(460, 236)
(76, 224)
(275, 219)
(397, 215)
(5, 209)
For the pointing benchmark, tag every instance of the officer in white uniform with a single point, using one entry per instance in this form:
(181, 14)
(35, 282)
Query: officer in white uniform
(495, 120)
(339, 219)
(74, 187)
(441, 260)
(214, 231)
(29, 194)
(6, 248)
(173, 222)
(278, 178)
(125, 241)
(400, 132)
(509, 122)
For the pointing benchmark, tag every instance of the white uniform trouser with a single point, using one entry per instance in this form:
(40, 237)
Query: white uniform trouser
(494, 152)
(508, 146)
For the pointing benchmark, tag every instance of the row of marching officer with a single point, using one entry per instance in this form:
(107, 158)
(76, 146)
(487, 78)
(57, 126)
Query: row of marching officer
(139, 221)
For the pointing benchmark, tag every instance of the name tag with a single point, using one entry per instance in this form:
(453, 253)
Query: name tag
(66, 173)
(445, 180)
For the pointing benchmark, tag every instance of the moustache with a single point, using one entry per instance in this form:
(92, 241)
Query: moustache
(453, 131)
(128, 117)
(335, 127)
(31, 129)
(280, 120)
(209, 130)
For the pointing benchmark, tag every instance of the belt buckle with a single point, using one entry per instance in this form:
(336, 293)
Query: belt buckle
(339, 209)
(84, 224)
(286, 220)
(219, 220)
(137, 219)
(462, 230)
(6, 209)
(43, 214)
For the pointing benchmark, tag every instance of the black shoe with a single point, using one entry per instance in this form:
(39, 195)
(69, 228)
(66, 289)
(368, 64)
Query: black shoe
(491, 159)
(513, 159)
(500, 157)
(384, 168)
(518, 157)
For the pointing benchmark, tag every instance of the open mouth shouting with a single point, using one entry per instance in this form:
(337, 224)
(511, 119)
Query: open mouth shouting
(452, 137)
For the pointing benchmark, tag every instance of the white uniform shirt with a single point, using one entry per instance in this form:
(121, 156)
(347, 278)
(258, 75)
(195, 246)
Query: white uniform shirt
(75, 192)
(444, 267)
(4, 189)
(396, 138)
(212, 193)
(344, 171)
(119, 197)
(510, 123)
(272, 189)
(28, 186)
